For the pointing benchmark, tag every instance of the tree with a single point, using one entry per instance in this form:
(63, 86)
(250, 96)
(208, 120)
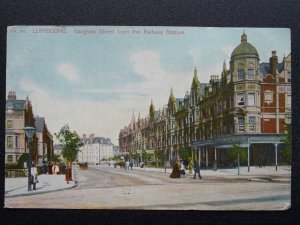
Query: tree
(159, 156)
(184, 154)
(287, 151)
(22, 159)
(144, 155)
(70, 144)
(55, 158)
(238, 155)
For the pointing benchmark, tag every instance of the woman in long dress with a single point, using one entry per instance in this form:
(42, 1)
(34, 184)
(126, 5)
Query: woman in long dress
(175, 172)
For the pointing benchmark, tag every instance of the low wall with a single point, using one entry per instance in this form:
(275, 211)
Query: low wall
(16, 173)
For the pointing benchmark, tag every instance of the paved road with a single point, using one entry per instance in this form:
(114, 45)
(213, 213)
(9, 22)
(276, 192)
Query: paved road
(110, 188)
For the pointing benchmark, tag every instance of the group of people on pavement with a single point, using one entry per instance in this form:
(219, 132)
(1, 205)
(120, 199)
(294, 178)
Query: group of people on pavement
(50, 168)
(179, 169)
(128, 164)
(56, 168)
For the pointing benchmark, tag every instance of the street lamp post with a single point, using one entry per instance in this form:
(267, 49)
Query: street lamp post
(99, 153)
(165, 159)
(29, 131)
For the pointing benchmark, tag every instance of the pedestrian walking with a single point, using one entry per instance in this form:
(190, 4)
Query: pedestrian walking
(182, 169)
(50, 165)
(34, 176)
(127, 165)
(131, 165)
(55, 169)
(197, 170)
(175, 172)
(142, 164)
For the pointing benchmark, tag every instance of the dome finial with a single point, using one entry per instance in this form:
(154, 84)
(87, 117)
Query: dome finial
(244, 37)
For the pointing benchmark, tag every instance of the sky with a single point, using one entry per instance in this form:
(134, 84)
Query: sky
(94, 78)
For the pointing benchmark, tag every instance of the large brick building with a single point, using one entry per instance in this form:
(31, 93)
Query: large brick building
(248, 105)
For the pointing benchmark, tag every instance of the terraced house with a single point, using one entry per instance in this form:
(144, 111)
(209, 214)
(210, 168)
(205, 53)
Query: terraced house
(19, 114)
(248, 104)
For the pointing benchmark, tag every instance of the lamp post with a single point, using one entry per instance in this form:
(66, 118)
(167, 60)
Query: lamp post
(165, 159)
(29, 131)
(99, 153)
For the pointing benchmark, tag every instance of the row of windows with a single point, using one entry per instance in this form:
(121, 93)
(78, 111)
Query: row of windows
(97, 146)
(250, 73)
(241, 74)
(250, 99)
(251, 123)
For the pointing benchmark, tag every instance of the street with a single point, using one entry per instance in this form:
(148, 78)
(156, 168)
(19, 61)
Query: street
(103, 187)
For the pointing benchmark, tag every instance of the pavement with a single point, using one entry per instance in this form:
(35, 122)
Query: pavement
(49, 183)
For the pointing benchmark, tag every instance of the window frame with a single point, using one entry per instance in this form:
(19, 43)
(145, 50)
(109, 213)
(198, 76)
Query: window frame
(9, 124)
(241, 123)
(240, 74)
(9, 142)
(250, 73)
(10, 158)
(251, 123)
(240, 98)
(248, 99)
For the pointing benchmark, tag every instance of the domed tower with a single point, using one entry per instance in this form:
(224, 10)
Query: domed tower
(244, 61)
(244, 67)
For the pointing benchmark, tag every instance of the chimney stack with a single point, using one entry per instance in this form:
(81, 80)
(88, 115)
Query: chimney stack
(273, 63)
(91, 137)
(11, 95)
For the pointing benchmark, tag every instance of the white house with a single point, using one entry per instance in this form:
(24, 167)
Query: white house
(95, 149)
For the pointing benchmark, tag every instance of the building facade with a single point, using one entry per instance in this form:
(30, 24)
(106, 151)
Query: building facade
(95, 149)
(248, 104)
(45, 141)
(19, 114)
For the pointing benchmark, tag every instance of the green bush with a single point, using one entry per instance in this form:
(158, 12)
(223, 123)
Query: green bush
(23, 158)
(11, 166)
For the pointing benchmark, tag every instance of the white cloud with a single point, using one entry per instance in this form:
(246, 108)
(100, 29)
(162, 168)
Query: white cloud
(69, 71)
(146, 63)
(101, 118)
(158, 81)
